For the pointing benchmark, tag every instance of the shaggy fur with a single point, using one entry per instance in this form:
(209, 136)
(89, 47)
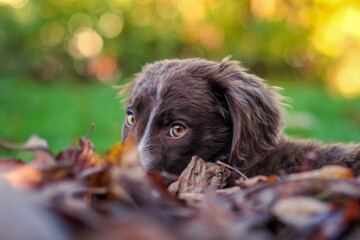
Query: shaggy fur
(228, 114)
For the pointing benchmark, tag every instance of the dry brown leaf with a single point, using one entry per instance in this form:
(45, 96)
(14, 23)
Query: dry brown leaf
(126, 172)
(299, 211)
(21, 218)
(326, 172)
(87, 192)
(125, 157)
(81, 158)
(36, 144)
(30, 177)
(89, 156)
(228, 191)
(24, 178)
(33, 143)
(198, 175)
(243, 183)
(7, 165)
(124, 154)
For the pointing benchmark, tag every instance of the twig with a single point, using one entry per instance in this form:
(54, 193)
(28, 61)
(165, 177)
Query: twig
(90, 131)
(232, 168)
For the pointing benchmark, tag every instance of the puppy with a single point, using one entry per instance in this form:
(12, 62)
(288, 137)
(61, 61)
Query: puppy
(180, 108)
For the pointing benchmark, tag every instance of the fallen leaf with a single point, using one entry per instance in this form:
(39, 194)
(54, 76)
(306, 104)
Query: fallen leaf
(90, 197)
(24, 178)
(88, 157)
(300, 211)
(198, 175)
(244, 183)
(81, 158)
(124, 154)
(228, 191)
(7, 165)
(21, 218)
(30, 177)
(36, 144)
(326, 172)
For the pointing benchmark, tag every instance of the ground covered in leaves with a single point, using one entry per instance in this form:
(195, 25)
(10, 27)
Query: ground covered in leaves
(79, 194)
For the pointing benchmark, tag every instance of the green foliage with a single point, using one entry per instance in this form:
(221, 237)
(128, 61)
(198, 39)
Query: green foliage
(319, 115)
(107, 39)
(38, 36)
(59, 113)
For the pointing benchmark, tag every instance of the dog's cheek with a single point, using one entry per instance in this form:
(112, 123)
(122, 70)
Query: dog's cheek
(215, 141)
(177, 156)
(176, 161)
(125, 132)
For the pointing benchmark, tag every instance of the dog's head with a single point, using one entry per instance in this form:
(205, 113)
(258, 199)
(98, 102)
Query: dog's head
(179, 108)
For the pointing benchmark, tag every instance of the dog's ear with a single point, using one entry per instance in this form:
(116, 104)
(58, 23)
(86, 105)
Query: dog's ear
(126, 90)
(255, 110)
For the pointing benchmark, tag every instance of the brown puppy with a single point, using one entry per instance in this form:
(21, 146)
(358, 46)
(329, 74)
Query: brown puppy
(179, 108)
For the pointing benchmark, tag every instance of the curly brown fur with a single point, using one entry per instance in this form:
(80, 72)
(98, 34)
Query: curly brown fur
(227, 113)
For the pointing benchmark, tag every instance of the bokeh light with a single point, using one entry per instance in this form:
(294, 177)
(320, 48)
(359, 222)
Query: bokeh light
(14, 3)
(104, 68)
(335, 32)
(192, 11)
(23, 11)
(211, 37)
(79, 20)
(346, 75)
(85, 43)
(141, 15)
(317, 39)
(166, 9)
(264, 9)
(51, 34)
(110, 25)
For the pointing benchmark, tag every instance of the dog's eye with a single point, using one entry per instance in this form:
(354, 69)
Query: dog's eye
(177, 130)
(130, 119)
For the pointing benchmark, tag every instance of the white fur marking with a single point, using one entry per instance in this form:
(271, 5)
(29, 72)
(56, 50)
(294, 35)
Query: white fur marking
(146, 158)
(159, 88)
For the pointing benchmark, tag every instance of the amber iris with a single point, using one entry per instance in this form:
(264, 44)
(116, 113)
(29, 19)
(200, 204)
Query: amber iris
(177, 130)
(130, 119)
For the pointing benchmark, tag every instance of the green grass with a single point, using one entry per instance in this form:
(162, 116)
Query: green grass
(61, 112)
(327, 117)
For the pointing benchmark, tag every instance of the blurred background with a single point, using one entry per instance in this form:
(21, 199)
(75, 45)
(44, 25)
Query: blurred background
(59, 59)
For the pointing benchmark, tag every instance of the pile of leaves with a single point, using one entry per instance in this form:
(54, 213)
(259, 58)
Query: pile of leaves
(80, 195)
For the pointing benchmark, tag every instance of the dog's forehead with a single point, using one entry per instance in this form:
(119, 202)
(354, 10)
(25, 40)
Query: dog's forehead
(168, 82)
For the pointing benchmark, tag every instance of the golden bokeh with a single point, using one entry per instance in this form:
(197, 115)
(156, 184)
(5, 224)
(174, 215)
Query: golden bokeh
(14, 3)
(345, 75)
(85, 43)
(110, 24)
(320, 39)
(52, 34)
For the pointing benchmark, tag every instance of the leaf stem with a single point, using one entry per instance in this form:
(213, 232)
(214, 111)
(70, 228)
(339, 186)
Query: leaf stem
(90, 131)
(232, 168)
